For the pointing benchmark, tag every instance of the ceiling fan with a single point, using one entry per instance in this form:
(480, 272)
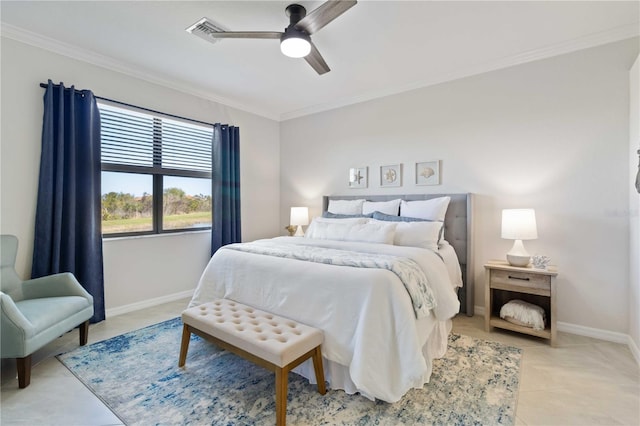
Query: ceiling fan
(295, 41)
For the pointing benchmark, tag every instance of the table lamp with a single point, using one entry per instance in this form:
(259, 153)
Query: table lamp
(518, 225)
(299, 217)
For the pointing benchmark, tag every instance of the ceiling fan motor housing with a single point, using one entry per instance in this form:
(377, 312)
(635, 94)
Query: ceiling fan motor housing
(295, 12)
(294, 42)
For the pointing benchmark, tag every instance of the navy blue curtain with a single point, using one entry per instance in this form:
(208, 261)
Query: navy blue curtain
(68, 235)
(226, 186)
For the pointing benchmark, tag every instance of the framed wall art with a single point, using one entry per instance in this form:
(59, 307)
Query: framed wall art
(358, 177)
(391, 175)
(428, 173)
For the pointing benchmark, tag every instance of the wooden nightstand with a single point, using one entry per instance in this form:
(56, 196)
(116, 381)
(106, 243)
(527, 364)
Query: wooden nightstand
(505, 282)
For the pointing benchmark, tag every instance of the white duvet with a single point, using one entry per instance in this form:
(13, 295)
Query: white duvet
(373, 343)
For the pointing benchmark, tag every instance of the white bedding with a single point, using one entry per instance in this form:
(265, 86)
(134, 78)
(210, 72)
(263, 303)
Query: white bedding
(373, 343)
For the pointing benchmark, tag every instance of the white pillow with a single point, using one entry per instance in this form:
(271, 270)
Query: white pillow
(386, 207)
(418, 234)
(523, 313)
(345, 206)
(324, 220)
(433, 209)
(361, 232)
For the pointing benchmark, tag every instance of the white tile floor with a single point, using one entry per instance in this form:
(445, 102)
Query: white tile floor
(581, 382)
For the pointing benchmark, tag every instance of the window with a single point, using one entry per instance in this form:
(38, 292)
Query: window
(156, 172)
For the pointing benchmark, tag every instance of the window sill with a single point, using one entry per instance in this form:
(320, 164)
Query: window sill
(167, 234)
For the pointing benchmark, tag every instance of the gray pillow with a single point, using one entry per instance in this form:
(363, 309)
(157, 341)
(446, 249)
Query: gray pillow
(328, 214)
(392, 218)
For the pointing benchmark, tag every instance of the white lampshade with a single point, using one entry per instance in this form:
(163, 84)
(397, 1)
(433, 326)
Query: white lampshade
(295, 47)
(518, 225)
(299, 216)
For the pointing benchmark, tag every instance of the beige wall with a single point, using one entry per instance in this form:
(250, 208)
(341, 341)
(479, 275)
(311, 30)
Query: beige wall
(551, 135)
(136, 269)
(634, 207)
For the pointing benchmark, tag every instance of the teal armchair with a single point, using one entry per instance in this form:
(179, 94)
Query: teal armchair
(37, 311)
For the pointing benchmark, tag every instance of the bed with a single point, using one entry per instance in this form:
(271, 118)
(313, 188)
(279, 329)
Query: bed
(381, 329)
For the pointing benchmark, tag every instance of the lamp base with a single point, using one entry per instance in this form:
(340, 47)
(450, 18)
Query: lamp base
(299, 232)
(515, 260)
(518, 256)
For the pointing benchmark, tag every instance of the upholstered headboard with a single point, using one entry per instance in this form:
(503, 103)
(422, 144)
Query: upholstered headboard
(458, 230)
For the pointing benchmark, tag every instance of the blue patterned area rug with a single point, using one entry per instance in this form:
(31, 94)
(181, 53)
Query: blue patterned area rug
(137, 376)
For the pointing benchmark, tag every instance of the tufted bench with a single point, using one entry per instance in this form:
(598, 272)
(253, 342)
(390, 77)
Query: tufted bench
(276, 343)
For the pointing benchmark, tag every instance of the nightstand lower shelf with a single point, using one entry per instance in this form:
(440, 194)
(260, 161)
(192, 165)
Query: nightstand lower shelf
(500, 323)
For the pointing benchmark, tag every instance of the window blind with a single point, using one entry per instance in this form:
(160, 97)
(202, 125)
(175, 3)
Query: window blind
(141, 142)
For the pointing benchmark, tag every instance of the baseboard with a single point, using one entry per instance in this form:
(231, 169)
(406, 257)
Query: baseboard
(635, 351)
(147, 303)
(596, 333)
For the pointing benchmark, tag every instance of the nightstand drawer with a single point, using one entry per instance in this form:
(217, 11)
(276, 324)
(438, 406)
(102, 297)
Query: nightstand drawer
(501, 278)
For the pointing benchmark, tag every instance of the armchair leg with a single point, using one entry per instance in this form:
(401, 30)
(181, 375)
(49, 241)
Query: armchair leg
(24, 371)
(84, 333)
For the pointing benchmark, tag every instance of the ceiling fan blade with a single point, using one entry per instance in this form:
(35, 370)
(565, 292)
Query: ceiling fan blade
(245, 34)
(324, 14)
(315, 59)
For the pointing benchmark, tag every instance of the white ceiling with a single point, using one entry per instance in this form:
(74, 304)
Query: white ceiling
(375, 49)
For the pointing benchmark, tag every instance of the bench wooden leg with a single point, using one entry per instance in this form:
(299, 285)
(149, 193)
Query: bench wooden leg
(281, 396)
(317, 366)
(24, 371)
(184, 347)
(84, 333)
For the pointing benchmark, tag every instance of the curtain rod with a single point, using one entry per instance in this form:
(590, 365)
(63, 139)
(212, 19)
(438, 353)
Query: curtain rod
(45, 85)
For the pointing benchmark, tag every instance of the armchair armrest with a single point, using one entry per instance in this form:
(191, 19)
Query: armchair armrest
(13, 321)
(63, 284)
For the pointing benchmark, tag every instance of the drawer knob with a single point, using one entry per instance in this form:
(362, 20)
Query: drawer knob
(518, 278)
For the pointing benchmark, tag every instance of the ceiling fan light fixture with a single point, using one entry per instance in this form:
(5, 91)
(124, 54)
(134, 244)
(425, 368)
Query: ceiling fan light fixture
(295, 44)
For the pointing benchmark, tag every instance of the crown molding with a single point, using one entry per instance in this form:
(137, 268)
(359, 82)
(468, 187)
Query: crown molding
(592, 40)
(75, 52)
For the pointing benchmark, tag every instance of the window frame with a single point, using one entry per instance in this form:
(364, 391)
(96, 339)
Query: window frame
(157, 172)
